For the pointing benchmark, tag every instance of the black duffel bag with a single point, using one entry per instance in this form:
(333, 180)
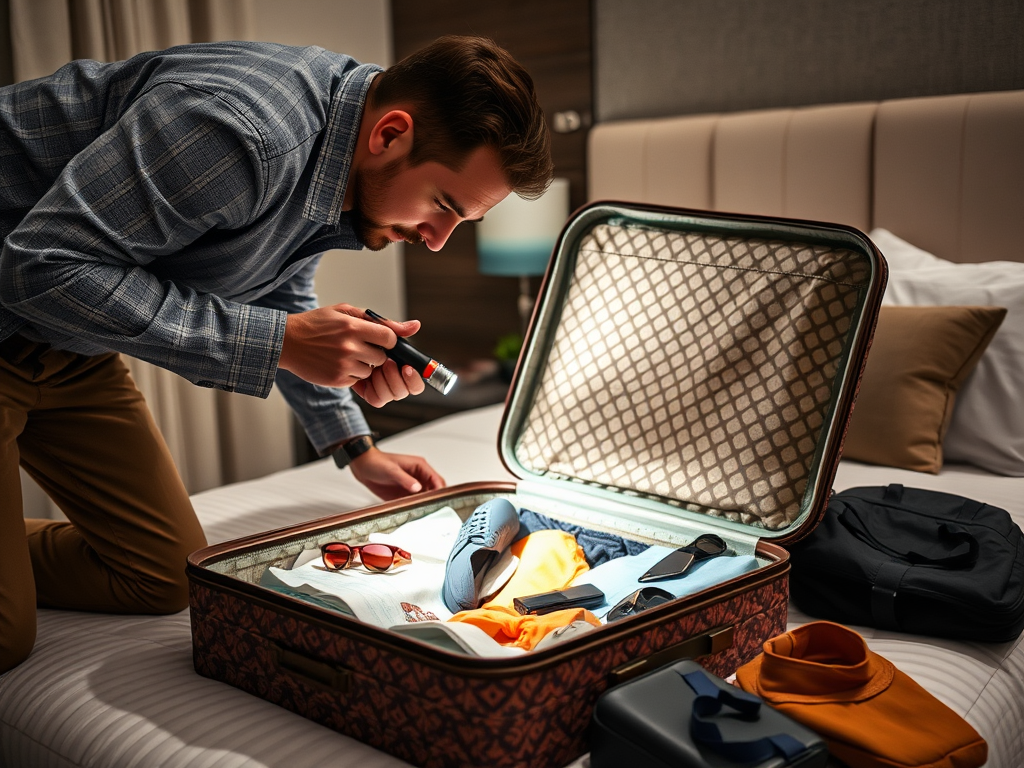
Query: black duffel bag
(912, 560)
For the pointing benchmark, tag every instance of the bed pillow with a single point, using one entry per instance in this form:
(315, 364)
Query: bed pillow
(919, 358)
(987, 428)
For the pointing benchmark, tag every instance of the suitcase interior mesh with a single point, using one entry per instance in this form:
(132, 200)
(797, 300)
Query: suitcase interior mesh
(695, 367)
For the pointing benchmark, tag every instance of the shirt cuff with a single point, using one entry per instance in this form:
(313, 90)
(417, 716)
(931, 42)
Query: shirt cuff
(254, 365)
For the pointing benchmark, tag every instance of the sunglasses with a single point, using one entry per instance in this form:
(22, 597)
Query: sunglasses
(638, 602)
(338, 556)
(677, 563)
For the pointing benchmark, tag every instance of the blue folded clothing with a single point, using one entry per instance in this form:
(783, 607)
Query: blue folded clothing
(598, 547)
(620, 577)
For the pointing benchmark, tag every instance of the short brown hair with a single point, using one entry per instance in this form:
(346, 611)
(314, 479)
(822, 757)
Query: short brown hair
(467, 92)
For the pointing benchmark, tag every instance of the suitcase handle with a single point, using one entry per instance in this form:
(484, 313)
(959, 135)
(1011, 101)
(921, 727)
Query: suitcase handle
(318, 673)
(713, 641)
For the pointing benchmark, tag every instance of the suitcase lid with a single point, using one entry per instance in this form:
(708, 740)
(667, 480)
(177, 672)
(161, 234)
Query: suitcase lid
(693, 368)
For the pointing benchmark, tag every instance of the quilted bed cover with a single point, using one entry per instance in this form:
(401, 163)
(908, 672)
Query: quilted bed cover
(117, 692)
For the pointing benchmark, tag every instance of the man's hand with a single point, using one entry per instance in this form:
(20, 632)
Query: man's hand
(387, 383)
(338, 347)
(394, 475)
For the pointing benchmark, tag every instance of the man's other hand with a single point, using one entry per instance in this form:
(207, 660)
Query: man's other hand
(337, 346)
(387, 383)
(394, 475)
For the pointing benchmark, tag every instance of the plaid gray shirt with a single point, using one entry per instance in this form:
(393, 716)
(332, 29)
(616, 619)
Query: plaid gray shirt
(174, 207)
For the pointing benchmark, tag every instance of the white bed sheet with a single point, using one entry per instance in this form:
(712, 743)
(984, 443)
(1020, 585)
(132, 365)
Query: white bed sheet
(119, 692)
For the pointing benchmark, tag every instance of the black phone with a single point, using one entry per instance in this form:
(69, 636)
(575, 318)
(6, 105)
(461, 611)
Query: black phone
(583, 596)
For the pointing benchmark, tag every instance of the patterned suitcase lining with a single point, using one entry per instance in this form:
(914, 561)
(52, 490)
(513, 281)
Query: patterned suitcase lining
(695, 368)
(249, 565)
(721, 406)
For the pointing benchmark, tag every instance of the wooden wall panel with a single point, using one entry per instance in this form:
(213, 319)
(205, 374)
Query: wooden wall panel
(660, 58)
(464, 312)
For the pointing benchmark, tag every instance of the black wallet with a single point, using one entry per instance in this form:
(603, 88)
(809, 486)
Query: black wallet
(680, 716)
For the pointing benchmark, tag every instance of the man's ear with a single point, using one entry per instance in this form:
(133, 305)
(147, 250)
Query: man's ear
(392, 135)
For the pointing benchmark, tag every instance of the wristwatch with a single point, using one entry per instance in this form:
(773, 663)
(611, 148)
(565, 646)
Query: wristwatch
(352, 449)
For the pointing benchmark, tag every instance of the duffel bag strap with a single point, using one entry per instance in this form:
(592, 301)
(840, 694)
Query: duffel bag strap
(948, 532)
(709, 701)
(883, 594)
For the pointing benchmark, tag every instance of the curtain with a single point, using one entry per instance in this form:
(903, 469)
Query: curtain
(46, 34)
(215, 437)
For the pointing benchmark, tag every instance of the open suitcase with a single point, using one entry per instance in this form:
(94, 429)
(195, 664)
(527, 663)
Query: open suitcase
(684, 372)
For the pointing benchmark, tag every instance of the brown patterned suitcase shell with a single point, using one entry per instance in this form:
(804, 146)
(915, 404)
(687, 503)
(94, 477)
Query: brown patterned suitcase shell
(683, 371)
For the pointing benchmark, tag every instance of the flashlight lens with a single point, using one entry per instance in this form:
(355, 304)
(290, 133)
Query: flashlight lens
(442, 379)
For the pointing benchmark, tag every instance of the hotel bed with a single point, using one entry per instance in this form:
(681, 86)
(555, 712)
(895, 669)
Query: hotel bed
(944, 174)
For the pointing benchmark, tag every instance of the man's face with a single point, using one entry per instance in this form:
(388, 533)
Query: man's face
(423, 204)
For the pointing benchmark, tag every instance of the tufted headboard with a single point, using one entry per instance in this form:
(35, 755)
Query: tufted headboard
(945, 173)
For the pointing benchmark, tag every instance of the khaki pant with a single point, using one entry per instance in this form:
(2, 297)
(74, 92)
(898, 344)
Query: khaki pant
(81, 429)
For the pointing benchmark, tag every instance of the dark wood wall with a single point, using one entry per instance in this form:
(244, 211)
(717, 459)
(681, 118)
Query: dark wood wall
(665, 57)
(463, 312)
(6, 63)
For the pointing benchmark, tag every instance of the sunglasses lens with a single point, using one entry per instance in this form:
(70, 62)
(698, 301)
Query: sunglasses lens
(619, 612)
(336, 555)
(639, 601)
(625, 607)
(710, 544)
(377, 557)
(652, 599)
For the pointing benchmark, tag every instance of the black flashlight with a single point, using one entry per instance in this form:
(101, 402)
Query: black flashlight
(404, 353)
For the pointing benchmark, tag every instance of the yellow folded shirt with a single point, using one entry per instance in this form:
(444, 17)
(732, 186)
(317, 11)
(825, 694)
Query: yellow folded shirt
(548, 560)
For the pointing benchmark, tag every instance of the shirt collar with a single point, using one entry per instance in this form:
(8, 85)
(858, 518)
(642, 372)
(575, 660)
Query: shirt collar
(330, 175)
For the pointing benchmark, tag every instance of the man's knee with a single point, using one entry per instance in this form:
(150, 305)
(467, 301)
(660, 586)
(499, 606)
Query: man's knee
(163, 590)
(163, 598)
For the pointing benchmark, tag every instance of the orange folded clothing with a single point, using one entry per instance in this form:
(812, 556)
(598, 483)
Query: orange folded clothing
(870, 714)
(510, 628)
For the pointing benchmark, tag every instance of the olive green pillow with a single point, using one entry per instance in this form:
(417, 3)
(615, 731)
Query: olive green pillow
(919, 358)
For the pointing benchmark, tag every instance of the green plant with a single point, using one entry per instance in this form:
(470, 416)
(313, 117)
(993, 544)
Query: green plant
(508, 347)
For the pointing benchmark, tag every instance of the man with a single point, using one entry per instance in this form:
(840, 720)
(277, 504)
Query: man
(174, 207)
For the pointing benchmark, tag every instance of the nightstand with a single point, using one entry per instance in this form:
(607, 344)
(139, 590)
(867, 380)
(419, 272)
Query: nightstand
(431, 404)
(478, 386)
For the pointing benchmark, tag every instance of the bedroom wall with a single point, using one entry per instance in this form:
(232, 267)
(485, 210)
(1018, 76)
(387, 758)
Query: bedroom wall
(6, 60)
(674, 57)
(464, 313)
(362, 29)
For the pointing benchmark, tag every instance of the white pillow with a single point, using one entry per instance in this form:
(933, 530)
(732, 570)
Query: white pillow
(987, 429)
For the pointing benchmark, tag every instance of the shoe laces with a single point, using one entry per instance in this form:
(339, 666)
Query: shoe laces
(476, 526)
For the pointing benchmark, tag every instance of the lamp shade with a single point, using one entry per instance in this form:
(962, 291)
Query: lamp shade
(516, 236)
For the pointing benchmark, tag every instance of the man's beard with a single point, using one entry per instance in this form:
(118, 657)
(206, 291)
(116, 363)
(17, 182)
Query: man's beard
(372, 188)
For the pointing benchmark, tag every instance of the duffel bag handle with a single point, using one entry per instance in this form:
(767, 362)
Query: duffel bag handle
(709, 702)
(948, 533)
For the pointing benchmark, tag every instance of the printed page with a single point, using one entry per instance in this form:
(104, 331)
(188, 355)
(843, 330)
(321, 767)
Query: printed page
(411, 593)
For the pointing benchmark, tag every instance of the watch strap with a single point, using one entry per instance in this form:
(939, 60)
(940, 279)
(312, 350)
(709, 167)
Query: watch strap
(352, 449)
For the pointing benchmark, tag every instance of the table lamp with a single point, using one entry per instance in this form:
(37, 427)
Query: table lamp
(516, 238)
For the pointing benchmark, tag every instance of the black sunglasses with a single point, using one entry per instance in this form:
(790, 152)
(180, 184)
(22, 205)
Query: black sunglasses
(639, 601)
(676, 563)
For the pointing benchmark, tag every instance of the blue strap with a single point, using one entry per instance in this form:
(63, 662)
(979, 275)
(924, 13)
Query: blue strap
(709, 702)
